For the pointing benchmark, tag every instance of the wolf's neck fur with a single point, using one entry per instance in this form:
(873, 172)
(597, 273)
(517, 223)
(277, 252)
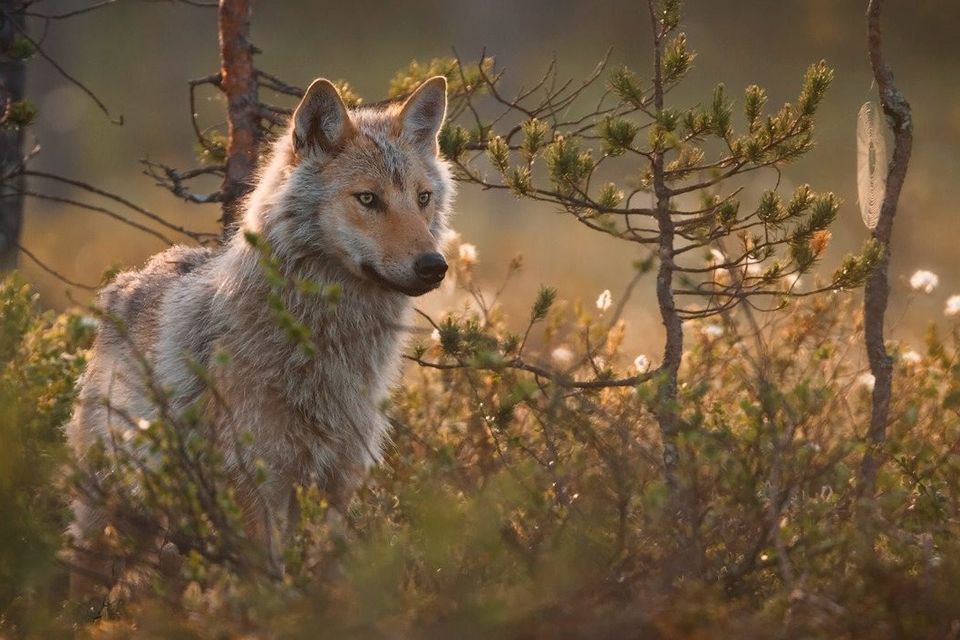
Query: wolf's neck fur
(361, 330)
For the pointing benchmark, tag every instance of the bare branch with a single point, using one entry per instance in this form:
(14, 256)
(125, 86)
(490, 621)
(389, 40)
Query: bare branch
(63, 72)
(195, 235)
(174, 181)
(877, 289)
(52, 272)
(69, 14)
(274, 83)
(97, 209)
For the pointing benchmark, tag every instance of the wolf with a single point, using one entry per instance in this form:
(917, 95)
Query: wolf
(358, 198)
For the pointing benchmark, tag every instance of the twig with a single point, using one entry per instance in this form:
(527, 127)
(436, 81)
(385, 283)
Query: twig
(541, 372)
(174, 181)
(195, 235)
(59, 276)
(98, 209)
(276, 84)
(63, 72)
(70, 14)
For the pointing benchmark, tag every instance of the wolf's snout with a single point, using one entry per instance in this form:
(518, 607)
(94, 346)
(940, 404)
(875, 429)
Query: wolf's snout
(430, 268)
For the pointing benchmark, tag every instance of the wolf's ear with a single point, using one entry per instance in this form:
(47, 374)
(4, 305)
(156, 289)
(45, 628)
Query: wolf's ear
(423, 113)
(321, 120)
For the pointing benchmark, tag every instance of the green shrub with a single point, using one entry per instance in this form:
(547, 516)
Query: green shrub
(41, 355)
(514, 506)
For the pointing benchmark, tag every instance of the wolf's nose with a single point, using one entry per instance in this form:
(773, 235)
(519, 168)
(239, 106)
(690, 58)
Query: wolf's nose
(430, 268)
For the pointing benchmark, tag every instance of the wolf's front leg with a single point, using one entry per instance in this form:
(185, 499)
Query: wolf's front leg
(340, 491)
(94, 567)
(264, 522)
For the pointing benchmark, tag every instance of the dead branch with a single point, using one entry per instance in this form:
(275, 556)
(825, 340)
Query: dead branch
(97, 209)
(69, 14)
(195, 235)
(877, 289)
(63, 72)
(59, 276)
(174, 180)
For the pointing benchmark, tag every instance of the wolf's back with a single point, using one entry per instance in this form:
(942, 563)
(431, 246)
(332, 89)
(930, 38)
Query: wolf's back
(128, 333)
(132, 301)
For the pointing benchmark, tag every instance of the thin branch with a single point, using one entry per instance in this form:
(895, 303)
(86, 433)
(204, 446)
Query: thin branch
(70, 14)
(63, 72)
(195, 235)
(541, 372)
(174, 180)
(877, 288)
(274, 83)
(213, 79)
(59, 276)
(97, 209)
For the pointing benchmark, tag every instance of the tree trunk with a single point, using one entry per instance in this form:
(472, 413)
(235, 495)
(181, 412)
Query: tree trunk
(673, 347)
(12, 81)
(877, 289)
(238, 79)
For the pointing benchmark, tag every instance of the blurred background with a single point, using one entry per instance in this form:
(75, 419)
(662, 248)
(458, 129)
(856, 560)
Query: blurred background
(138, 56)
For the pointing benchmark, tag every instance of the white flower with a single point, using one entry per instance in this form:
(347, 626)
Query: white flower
(641, 363)
(953, 306)
(911, 357)
(712, 331)
(562, 356)
(605, 300)
(925, 281)
(866, 380)
(468, 253)
(89, 322)
(143, 424)
(435, 336)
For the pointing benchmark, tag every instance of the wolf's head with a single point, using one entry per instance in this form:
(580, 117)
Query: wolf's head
(363, 187)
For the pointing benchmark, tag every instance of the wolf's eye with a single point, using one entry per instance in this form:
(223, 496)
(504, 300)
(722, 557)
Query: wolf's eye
(424, 198)
(367, 199)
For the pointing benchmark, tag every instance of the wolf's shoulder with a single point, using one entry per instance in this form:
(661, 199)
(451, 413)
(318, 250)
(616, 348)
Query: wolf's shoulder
(132, 292)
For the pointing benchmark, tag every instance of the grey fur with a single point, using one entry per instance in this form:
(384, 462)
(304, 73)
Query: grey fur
(312, 419)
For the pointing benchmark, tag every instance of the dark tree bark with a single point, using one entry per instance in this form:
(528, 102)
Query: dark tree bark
(673, 346)
(238, 80)
(12, 81)
(877, 289)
